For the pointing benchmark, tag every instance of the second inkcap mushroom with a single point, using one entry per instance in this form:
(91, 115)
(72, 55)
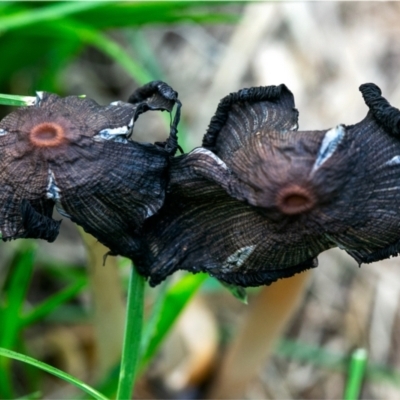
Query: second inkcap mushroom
(260, 200)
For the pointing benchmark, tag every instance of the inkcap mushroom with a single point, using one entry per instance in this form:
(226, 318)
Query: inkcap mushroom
(260, 200)
(76, 155)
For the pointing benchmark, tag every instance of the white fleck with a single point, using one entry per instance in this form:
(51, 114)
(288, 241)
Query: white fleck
(115, 134)
(3, 132)
(395, 160)
(202, 150)
(329, 144)
(238, 258)
(38, 99)
(115, 138)
(120, 130)
(116, 103)
(149, 212)
(53, 193)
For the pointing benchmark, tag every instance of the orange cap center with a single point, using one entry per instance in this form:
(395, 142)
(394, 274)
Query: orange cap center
(295, 199)
(47, 134)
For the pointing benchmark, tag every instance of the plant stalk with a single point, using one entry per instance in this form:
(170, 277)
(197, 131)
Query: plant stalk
(132, 336)
(356, 374)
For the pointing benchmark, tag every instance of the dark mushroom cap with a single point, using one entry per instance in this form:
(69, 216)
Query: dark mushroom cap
(348, 175)
(75, 154)
(260, 200)
(373, 189)
(201, 227)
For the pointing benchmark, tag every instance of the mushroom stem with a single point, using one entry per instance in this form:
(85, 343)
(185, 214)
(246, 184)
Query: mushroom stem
(107, 303)
(268, 315)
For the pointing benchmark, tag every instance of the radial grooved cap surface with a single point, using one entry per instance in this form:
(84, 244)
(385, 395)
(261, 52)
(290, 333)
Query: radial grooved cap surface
(76, 155)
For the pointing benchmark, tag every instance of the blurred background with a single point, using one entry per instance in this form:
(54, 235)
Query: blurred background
(294, 339)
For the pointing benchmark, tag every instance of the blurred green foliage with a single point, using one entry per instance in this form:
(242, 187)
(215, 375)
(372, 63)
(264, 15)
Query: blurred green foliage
(38, 39)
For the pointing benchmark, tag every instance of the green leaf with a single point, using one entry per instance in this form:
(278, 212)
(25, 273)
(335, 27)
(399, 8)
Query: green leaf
(54, 371)
(237, 291)
(14, 100)
(155, 315)
(304, 352)
(113, 14)
(89, 36)
(31, 16)
(15, 293)
(62, 271)
(31, 396)
(53, 302)
(127, 14)
(177, 298)
(56, 59)
(13, 298)
(322, 358)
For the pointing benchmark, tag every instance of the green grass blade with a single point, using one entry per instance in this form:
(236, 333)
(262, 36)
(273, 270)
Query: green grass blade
(57, 57)
(54, 371)
(15, 293)
(53, 302)
(113, 14)
(31, 16)
(176, 299)
(304, 352)
(14, 100)
(63, 271)
(127, 14)
(137, 41)
(356, 374)
(31, 396)
(154, 318)
(237, 291)
(115, 52)
(322, 358)
(90, 36)
(132, 336)
(13, 298)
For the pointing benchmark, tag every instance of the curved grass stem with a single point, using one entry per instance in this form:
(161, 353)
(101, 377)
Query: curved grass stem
(54, 371)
